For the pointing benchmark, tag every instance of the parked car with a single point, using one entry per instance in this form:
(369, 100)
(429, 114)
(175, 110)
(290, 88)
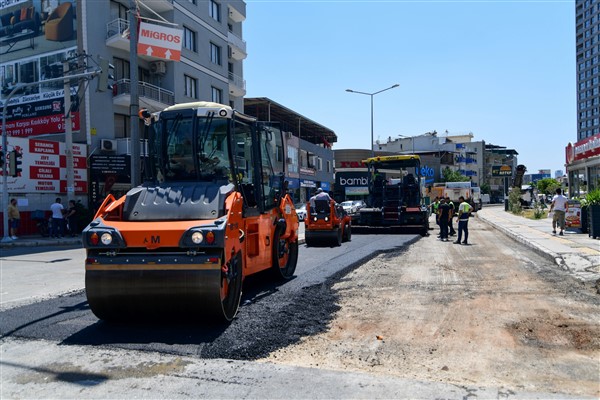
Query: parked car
(349, 206)
(301, 211)
(359, 204)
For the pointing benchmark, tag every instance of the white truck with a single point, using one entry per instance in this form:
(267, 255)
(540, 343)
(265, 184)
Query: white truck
(472, 194)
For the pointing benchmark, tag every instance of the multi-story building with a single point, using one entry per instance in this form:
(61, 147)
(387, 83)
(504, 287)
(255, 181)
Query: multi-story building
(583, 156)
(37, 36)
(457, 152)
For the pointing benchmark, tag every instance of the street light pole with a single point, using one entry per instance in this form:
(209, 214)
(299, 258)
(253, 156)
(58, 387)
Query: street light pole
(372, 95)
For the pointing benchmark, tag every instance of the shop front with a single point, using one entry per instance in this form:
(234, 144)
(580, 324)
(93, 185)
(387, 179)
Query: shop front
(583, 166)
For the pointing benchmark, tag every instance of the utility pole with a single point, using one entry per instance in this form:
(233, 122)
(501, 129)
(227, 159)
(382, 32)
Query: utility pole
(68, 134)
(133, 90)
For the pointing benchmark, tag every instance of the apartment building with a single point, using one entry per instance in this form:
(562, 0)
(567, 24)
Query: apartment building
(583, 154)
(37, 36)
(458, 152)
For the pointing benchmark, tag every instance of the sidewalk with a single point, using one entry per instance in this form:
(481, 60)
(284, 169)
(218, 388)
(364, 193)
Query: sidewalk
(575, 252)
(39, 241)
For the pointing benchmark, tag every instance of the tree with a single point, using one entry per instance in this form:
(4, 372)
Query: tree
(449, 175)
(547, 185)
(485, 188)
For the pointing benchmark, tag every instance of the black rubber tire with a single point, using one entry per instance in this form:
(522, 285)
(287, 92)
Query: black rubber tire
(338, 237)
(347, 233)
(231, 302)
(308, 240)
(281, 247)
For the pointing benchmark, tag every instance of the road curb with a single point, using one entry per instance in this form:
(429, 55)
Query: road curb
(40, 242)
(542, 251)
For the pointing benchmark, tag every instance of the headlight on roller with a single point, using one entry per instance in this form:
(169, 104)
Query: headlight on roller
(326, 219)
(197, 237)
(106, 238)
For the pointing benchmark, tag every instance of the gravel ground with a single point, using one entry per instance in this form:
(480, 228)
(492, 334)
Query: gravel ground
(488, 314)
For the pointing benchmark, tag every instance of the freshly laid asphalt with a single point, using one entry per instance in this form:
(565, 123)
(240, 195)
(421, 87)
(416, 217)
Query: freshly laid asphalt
(575, 252)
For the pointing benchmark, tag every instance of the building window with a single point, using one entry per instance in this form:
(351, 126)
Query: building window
(217, 95)
(121, 126)
(328, 166)
(215, 54)
(191, 87)
(189, 39)
(214, 10)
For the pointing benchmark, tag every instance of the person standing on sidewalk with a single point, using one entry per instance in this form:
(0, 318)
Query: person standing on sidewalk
(560, 206)
(464, 211)
(14, 218)
(71, 217)
(56, 229)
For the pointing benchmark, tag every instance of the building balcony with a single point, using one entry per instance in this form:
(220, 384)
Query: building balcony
(159, 6)
(237, 47)
(117, 37)
(116, 34)
(237, 85)
(154, 97)
(237, 14)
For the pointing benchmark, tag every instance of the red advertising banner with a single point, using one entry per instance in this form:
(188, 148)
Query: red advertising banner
(583, 149)
(44, 166)
(41, 125)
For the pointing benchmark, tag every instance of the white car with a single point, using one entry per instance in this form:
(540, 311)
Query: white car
(359, 204)
(301, 211)
(349, 206)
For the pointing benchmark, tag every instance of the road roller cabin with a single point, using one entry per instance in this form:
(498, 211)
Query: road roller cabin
(212, 210)
(326, 223)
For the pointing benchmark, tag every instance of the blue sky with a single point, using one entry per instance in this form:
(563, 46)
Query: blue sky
(503, 70)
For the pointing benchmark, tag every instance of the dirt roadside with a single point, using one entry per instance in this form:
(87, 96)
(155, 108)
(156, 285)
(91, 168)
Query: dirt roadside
(490, 314)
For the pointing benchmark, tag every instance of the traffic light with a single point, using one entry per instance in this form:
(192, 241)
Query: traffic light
(13, 163)
(105, 75)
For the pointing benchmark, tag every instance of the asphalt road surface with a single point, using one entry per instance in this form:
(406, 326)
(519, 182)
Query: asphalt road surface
(285, 341)
(267, 306)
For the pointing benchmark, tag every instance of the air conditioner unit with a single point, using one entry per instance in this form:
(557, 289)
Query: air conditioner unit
(158, 68)
(108, 145)
(288, 135)
(229, 52)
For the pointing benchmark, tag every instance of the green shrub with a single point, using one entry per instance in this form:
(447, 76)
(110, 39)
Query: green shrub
(593, 198)
(514, 201)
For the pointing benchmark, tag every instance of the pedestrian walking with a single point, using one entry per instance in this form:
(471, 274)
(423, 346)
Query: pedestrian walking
(56, 228)
(14, 218)
(560, 206)
(72, 217)
(445, 215)
(464, 212)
